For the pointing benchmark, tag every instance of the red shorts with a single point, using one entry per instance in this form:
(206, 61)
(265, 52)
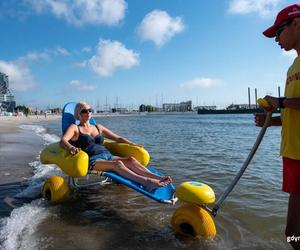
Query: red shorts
(291, 176)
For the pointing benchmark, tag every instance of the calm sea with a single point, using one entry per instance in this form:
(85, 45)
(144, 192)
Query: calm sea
(189, 147)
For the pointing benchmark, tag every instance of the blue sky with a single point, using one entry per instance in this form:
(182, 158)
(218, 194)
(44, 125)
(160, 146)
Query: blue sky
(140, 51)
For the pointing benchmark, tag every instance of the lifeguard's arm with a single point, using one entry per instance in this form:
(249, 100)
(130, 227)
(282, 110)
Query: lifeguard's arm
(276, 121)
(292, 103)
(64, 142)
(259, 119)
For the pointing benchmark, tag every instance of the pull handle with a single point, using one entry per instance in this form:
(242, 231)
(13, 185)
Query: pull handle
(264, 104)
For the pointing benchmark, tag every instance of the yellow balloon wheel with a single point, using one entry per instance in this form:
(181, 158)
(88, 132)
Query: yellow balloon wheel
(56, 190)
(193, 220)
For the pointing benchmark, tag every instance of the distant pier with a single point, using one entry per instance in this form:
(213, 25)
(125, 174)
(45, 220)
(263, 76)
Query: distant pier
(230, 111)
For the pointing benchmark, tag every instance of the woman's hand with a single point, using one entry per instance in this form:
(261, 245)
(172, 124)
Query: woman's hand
(73, 150)
(134, 144)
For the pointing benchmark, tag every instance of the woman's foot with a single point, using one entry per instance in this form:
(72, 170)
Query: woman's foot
(153, 184)
(166, 179)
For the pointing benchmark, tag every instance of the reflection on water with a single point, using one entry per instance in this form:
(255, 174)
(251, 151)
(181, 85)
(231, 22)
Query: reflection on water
(190, 147)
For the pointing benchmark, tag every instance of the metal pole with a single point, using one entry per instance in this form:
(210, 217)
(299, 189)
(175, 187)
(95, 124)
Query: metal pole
(244, 167)
(256, 98)
(249, 98)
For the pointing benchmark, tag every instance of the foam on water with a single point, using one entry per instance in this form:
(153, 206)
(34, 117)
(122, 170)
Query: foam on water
(18, 230)
(41, 131)
(41, 171)
(35, 182)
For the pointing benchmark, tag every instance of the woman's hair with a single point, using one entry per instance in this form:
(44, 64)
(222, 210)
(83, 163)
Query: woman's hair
(79, 106)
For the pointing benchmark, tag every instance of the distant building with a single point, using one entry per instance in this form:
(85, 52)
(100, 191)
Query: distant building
(149, 108)
(177, 107)
(7, 101)
(119, 110)
(3, 83)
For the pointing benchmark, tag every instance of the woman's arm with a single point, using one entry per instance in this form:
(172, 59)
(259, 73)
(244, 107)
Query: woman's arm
(64, 142)
(110, 135)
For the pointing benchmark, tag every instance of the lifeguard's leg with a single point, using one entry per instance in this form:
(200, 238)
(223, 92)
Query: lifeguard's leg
(292, 231)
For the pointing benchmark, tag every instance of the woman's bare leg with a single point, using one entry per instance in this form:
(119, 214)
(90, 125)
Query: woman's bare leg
(118, 166)
(135, 166)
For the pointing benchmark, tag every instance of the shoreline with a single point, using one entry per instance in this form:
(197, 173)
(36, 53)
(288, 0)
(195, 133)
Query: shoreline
(19, 147)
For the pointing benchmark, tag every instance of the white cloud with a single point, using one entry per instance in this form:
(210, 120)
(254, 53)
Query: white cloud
(86, 49)
(201, 83)
(110, 56)
(80, 86)
(61, 51)
(159, 27)
(19, 75)
(292, 54)
(264, 8)
(33, 57)
(18, 71)
(58, 51)
(81, 12)
(81, 64)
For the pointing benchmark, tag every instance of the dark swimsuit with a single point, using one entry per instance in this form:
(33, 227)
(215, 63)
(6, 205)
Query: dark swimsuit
(93, 146)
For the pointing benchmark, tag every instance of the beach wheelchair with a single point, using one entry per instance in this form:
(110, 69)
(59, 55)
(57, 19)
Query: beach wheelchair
(190, 218)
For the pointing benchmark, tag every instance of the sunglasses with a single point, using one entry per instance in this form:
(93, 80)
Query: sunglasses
(281, 27)
(85, 111)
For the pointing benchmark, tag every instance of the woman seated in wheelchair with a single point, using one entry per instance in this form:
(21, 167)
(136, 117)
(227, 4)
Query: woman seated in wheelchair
(89, 138)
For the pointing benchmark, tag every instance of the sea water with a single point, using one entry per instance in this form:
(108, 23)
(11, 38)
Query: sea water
(189, 147)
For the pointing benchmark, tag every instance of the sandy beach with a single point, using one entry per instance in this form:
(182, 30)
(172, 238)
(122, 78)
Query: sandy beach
(9, 124)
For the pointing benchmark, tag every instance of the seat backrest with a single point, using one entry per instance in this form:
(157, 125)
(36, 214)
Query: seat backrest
(68, 116)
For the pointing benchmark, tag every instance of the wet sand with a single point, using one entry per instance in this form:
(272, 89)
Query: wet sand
(18, 147)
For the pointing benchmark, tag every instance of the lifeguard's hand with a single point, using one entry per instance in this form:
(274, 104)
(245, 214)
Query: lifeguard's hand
(74, 150)
(259, 119)
(272, 101)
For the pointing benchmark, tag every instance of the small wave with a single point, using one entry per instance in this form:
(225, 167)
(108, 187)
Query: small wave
(35, 182)
(36, 128)
(41, 131)
(18, 230)
(41, 171)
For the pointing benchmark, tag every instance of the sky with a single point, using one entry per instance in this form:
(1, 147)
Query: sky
(132, 52)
